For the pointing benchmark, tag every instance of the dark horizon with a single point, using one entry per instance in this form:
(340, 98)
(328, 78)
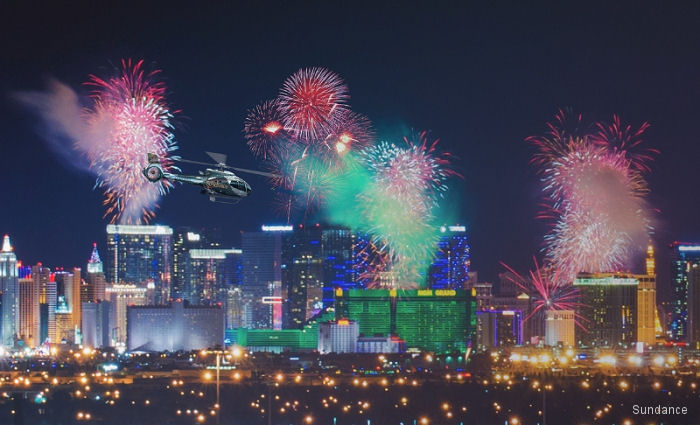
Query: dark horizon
(481, 79)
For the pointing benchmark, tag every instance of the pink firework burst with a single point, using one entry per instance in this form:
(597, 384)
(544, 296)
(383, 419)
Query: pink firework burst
(595, 195)
(311, 99)
(130, 115)
(350, 131)
(547, 290)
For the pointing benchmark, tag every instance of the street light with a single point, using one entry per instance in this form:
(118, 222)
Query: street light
(236, 352)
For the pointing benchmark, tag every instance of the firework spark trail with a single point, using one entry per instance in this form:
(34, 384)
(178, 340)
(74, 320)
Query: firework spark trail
(132, 106)
(548, 290)
(595, 191)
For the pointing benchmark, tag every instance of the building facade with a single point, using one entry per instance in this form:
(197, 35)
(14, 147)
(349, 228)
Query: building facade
(441, 320)
(338, 336)
(683, 257)
(450, 268)
(95, 281)
(173, 327)
(560, 328)
(140, 254)
(609, 309)
(9, 294)
(262, 273)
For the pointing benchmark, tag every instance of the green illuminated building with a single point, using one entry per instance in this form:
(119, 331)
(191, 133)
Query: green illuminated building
(440, 320)
(279, 340)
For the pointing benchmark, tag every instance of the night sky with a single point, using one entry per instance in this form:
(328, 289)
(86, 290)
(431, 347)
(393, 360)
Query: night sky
(481, 78)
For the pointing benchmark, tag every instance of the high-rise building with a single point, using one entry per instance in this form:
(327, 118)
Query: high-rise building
(141, 254)
(339, 336)
(209, 273)
(47, 302)
(98, 321)
(234, 308)
(560, 328)
(440, 320)
(9, 294)
(683, 257)
(450, 268)
(337, 244)
(646, 301)
(262, 272)
(694, 306)
(173, 327)
(186, 239)
(120, 297)
(69, 286)
(95, 282)
(302, 275)
(498, 328)
(29, 314)
(609, 309)
(65, 331)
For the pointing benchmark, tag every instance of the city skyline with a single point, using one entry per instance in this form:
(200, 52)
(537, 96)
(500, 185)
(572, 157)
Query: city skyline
(478, 143)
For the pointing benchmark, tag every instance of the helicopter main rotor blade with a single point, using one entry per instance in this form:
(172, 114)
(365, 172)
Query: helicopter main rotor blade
(189, 161)
(242, 170)
(260, 173)
(219, 158)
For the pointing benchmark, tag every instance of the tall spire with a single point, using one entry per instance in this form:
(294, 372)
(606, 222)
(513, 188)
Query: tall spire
(650, 260)
(6, 246)
(94, 263)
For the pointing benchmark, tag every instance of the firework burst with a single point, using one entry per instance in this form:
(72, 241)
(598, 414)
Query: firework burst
(264, 130)
(311, 98)
(350, 131)
(547, 290)
(595, 192)
(130, 112)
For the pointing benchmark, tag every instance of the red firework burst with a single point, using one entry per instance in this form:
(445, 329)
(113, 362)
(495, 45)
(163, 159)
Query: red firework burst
(311, 99)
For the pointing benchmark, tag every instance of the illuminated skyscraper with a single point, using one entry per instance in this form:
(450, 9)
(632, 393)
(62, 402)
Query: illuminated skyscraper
(209, 273)
(47, 302)
(450, 269)
(262, 272)
(302, 275)
(186, 239)
(694, 306)
(337, 244)
(498, 328)
(29, 316)
(9, 294)
(646, 301)
(69, 286)
(610, 309)
(139, 254)
(94, 290)
(683, 257)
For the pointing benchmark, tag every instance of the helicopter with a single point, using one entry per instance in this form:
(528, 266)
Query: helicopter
(216, 180)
